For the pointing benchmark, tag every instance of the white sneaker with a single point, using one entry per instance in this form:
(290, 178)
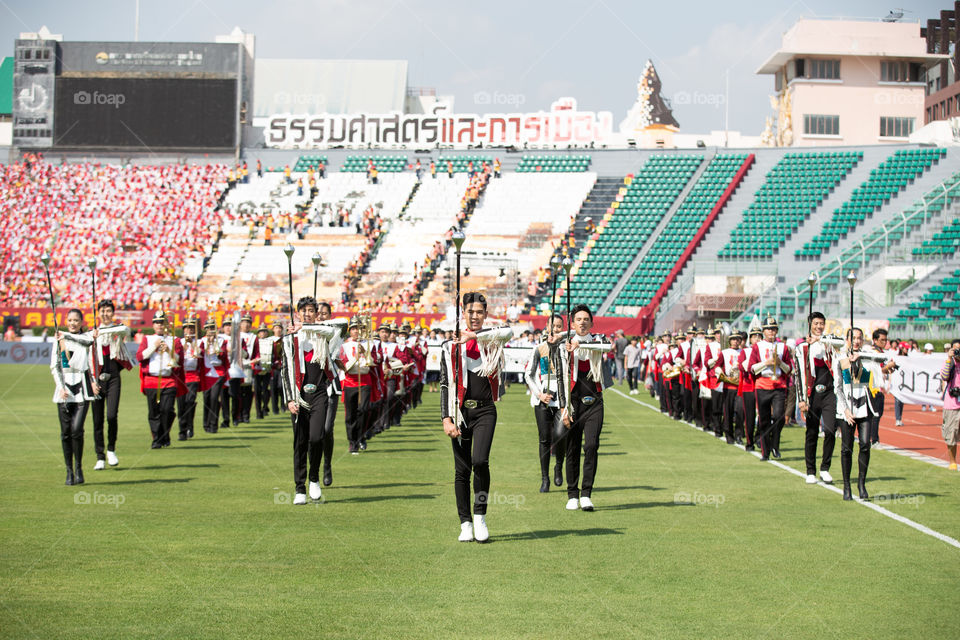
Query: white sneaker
(811, 479)
(586, 504)
(466, 532)
(825, 476)
(99, 466)
(899, 423)
(480, 528)
(300, 498)
(314, 491)
(112, 459)
(573, 504)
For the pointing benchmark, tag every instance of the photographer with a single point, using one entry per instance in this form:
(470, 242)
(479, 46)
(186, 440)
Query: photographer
(950, 374)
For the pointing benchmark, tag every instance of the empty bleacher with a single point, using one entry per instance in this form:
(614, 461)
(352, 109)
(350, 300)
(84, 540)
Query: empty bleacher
(383, 163)
(794, 189)
(553, 164)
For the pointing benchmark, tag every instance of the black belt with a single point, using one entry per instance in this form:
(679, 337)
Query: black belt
(476, 404)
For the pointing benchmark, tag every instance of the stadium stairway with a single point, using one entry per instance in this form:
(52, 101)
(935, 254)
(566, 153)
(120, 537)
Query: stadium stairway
(650, 241)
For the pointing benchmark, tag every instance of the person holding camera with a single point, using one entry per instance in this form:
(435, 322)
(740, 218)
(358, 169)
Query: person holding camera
(950, 375)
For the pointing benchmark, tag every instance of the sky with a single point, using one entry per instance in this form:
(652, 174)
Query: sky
(520, 54)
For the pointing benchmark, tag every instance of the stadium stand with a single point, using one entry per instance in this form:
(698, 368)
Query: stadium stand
(553, 164)
(383, 164)
(639, 207)
(461, 163)
(794, 189)
(885, 182)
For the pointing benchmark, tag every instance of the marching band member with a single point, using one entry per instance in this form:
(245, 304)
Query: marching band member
(245, 397)
(214, 358)
(541, 375)
(663, 367)
(276, 384)
(306, 367)
(332, 388)
(109, 357)
(376, 392)
(816, 397)
(853, 376)
(355, 362)
(581, 403)
(388, 348)
(676, 398)
(75, 388)
(187, 403)
(226, 392)
(771, 363)
(263, 363)
(747, 391)
(732, 417)
(409, 374)
(705, 365)
(469, 386)
(686, 380)
(161, 378)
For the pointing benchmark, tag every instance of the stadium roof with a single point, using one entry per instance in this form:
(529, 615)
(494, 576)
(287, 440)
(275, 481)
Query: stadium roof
(328, 86)
(6, 86)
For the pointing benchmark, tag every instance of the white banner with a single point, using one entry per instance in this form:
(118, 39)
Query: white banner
(917, 381)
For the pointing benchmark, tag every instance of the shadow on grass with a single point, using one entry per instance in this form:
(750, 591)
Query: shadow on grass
(369, 451)
(643, 505)
(221, 446)
(177, 466)
(557, 533)
(387, 485)
(148, 481)
(611, 453)
(869, 479)
(641, 486)
(412, 496)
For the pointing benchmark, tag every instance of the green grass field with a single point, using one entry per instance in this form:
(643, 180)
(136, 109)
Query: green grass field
(199, 540)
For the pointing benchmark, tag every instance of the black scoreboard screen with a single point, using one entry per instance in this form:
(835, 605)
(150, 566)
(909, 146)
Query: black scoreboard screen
(145, 113)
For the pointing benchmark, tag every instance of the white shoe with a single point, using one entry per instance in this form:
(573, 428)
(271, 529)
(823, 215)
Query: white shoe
(811, 479)
(112, 459)
(573, 504)
(899, 423)
(314, 490)
(100, 465)
(466, 532)
(480, 528)
(586, 504)
(300, 498)
(825, 476)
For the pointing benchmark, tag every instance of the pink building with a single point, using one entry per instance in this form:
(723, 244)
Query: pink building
(846, 82)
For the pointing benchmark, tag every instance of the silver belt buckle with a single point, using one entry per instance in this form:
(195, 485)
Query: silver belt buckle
(103, 377)
(588, 400)
(309, 388)
(820, 388)
(470, 404)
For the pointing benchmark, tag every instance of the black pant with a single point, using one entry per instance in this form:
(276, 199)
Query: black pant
(711, 408)
(226, 392)
(187, 409)
(586, 427)
(211, 406)
(862, 425)
(821, 407)
(750, 416)
(261, 383)
(332, 402)
(308, 427)
(676, 408)
(160, 415)
(770, 404)
(661, 387)
(732, 416)
(356, 401)
(72, 416)
(551, 431)
(276, 390)
(246, 401)
(472, 453)
(632, 378)
(109, 400)
(686, 397)
(877, 403)
(695, 402)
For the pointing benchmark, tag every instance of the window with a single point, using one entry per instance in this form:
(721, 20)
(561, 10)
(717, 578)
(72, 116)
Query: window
(824, 69)
(896, 127)
(817, 125)
(899, 71)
